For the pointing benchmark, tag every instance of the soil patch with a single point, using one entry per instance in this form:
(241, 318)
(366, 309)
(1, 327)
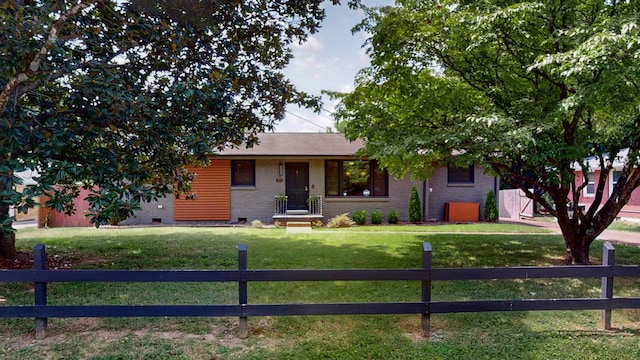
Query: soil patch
(24, 261)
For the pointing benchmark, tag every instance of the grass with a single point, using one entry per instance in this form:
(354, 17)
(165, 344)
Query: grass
(513, 335)
(625, 226)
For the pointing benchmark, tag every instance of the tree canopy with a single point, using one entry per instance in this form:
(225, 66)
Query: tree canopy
(530, 90)
(116, 96)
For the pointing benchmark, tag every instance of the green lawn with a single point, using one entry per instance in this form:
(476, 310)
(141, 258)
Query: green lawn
(625, 226)
(516, 335)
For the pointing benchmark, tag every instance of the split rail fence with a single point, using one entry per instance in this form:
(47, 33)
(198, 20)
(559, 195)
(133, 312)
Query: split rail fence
(41, 277)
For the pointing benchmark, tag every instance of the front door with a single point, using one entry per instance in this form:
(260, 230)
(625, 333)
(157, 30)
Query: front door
(297, 184)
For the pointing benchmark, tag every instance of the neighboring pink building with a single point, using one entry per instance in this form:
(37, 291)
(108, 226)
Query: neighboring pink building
(629, 211)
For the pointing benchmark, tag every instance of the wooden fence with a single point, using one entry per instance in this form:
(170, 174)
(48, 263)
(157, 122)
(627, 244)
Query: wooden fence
(41, 277)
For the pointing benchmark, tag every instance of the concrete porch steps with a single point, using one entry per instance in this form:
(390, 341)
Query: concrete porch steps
(298, 226)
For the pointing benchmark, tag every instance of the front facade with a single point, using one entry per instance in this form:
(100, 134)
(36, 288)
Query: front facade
(315, 175)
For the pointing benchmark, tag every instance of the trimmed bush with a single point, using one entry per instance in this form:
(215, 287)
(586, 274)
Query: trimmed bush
(376, 217)
(256, 224)
(360, 217)
(415, 210)
(392, 217)
(340, 221)
(491, 213)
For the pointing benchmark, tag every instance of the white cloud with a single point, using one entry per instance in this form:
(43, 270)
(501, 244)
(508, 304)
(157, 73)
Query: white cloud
(328, 60)
(311, 45)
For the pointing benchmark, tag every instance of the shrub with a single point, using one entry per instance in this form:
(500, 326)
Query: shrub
(491, 213)
(360, 217)
(340, 221)
(392, 217)
(415, 210)
(256, 224)
(376, 217)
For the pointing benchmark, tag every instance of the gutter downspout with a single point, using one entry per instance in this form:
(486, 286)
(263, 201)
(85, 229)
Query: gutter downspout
(424, 201)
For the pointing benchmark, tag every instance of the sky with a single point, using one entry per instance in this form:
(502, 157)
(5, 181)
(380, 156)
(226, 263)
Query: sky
(328, 60)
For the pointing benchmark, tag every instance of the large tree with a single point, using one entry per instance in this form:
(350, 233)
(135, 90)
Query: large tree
(530, 90)
(116, 96)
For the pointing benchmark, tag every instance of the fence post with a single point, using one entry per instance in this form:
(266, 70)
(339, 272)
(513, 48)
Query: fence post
(242, 289)
(40, 289)
(426, 289)
(608, 259)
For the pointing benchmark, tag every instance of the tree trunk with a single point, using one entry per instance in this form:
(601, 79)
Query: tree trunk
(7, 239)
(576, 243)
(8, 245)
(577, 254)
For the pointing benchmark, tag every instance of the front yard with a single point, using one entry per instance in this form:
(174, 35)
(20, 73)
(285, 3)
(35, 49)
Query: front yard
(515, 335)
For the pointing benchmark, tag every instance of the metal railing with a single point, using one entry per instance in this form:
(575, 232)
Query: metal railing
(315, 205)
(281, 204)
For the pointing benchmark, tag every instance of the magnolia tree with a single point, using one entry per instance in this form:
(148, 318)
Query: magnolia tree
(533, 91)
(116, 96)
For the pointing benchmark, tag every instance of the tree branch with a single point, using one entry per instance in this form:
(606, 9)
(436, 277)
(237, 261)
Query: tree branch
(40, 56)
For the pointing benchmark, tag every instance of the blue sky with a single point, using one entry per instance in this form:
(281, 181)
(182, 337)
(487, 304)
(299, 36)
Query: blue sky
(328, 60)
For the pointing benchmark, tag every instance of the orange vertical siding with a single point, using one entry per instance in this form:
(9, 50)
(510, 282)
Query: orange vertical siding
(213, 189)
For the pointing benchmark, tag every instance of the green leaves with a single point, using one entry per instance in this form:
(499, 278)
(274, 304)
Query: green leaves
(527, 89)
(118, 96)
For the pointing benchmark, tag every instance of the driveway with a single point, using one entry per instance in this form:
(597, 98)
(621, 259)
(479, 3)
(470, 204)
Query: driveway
(613, 236)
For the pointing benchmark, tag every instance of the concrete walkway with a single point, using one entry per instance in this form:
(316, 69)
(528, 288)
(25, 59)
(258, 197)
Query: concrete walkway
(24, 224)
(613, 236)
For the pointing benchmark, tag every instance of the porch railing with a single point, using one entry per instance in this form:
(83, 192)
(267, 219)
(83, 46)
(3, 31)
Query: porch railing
(315, 205)
(281, 204)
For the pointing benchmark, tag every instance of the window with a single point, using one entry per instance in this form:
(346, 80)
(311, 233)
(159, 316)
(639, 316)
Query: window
(355, 178)
(615, 177)
(243, 173)
(590, 189)
(460, 175)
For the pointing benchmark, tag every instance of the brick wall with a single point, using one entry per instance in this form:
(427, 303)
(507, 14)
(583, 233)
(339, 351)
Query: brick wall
(157, 210)
(399, 193)
(258, 202)
(442, 192)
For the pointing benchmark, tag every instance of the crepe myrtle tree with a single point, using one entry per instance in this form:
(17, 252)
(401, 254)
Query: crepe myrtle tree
(117, 96)
(533, 91)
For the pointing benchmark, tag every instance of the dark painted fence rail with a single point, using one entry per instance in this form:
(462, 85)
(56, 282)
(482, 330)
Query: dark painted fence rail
(41, 277)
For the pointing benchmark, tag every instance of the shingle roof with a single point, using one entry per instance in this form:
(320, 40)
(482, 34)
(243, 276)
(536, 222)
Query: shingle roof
(298, 144)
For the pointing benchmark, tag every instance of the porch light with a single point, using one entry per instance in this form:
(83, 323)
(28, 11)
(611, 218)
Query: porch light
(280, 169)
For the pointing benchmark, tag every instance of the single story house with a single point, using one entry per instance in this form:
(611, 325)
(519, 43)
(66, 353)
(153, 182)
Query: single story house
(631, 211)
(312, 175)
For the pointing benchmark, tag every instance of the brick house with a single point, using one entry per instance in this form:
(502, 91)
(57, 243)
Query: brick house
(313, 175)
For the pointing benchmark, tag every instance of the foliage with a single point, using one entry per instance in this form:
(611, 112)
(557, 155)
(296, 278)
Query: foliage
(117, 97)
(340, 221)
(532, 91)
(256, 224)
(491, 207)
(415, 210)
(392, 216)
(376, 216)
(360, 217)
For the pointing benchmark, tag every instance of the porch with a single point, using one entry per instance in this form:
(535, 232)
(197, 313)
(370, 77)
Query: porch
(312, 214)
